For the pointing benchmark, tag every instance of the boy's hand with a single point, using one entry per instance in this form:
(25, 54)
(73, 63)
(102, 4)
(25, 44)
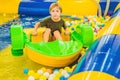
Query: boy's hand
(67, 32)
(34, 33)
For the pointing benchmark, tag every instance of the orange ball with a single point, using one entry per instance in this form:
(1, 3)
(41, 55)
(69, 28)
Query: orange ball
(49, 71)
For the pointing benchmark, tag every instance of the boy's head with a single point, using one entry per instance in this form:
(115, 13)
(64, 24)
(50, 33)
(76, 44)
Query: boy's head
(55, 11)
(53, 5)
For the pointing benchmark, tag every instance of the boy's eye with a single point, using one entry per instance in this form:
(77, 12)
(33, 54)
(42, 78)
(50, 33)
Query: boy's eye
(53, 11)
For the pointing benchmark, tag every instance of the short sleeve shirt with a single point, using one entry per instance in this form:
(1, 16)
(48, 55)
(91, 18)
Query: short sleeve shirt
(49, 23)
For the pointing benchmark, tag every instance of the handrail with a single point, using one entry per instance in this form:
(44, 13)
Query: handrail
(107, 7)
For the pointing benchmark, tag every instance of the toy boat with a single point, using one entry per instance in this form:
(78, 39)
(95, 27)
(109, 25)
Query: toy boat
(55, 53)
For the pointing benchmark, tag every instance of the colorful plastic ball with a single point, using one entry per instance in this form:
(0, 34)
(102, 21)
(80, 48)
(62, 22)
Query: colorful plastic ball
(40, 71)
(43, 68)
(64, 72)
(26, 70)
(31, 72)
(51, 76)
(66, 75)
(100, 27)
(31, 78)
(69, 73)
(72, 29)
(63, 78)
(67, 69)
(49, 71)
(36, 75)
(56, 78)
(43, 78)
(46, 74)
(56, 71)
(60, 70)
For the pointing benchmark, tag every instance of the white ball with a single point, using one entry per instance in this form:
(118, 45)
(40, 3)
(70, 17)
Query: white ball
(46, 74)
(31, 78)
(40, 71)
(55, 72)
(66, 75)
(67, 23)
(73, 22)
(51, 76)
(64, 72)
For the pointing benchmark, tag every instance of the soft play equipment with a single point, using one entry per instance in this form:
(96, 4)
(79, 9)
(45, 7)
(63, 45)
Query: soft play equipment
(56, 53)
(41, 7)
(102, 59)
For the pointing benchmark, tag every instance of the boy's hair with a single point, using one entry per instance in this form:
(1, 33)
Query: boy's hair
(55, 5)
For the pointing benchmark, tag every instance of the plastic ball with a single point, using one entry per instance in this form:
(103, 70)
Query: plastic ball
(43, 69)
(49, 71)
(96, 31)
(64, 72)
(72, 29)
(51, 76)
(31, 78)
(36, 75)
(67, 69)
(26, 70)
(63, 78)
(67, 23)
(55, 72)
(46, 74)
(31, 72)
(40, 71)
(56, 78)
(43, 78)
(72, 22)
(66, 75)
(58, 75)
(69, 73)
(60, 70)
(100, 27)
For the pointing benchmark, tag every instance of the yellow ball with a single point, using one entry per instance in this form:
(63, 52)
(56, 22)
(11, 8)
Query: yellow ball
(43, 69)
(67, 69)
(60, 70)
(31, 72)
(56, 78)
(58, 75)
(36, 75)
(42, 78)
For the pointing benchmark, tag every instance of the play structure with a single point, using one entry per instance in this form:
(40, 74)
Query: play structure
(99, 62)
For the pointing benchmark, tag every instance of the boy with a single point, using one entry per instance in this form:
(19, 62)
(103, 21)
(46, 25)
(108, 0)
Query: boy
(53, 24)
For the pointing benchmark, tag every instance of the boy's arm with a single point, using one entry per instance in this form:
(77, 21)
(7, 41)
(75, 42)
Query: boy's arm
(35, 28)
(67, 31)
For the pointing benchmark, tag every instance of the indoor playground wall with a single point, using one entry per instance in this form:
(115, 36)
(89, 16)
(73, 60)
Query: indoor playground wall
(71, 7)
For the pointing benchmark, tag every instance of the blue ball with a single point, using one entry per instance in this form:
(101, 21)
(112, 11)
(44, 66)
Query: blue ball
(63, 78)
(72, 29)
(56, 69)
(26, 70)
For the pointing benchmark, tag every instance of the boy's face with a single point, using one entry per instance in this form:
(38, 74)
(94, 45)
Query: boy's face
(55, 13)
